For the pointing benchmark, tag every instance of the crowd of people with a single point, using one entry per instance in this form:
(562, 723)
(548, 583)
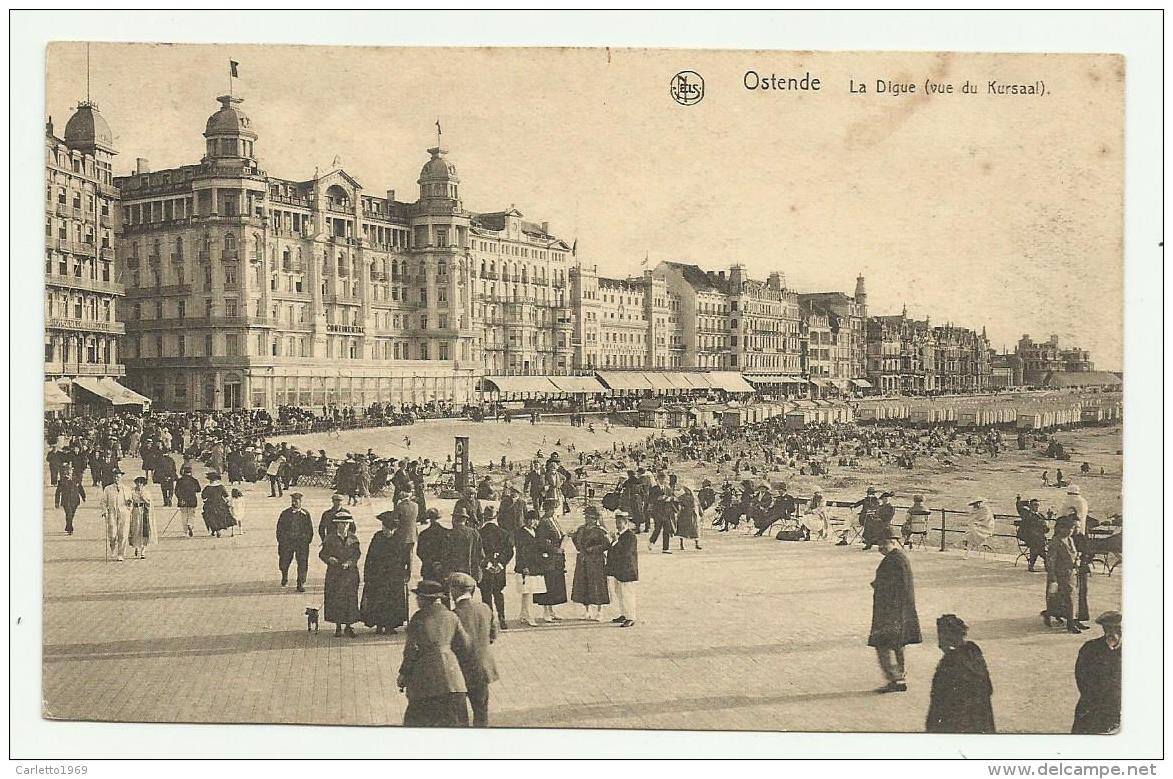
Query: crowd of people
(509, 537)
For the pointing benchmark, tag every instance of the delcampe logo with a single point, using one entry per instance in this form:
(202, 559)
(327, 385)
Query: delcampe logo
(687, 87)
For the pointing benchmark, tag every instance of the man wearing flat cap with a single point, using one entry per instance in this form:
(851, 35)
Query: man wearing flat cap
(894, 620)
(326, 524)
(480, 669)
(1097, 675)
(295, 530)
(431, 674)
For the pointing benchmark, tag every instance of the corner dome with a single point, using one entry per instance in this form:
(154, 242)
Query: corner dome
(438, 169)
(87, 130)
(229, 120)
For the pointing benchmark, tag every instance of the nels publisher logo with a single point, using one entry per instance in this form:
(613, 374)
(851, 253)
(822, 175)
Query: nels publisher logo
(687, 87)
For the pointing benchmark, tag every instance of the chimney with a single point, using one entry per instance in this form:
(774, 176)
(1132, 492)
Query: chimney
(546, 228)
(390, 196)
(141, 166)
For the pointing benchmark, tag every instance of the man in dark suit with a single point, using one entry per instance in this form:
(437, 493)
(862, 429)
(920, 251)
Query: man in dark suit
(472, 507)
(535, 485)
(480, 669)
(431, 547)
(401, 482)
(165, 475)
(326, 524)
(623, 569)
(434, 651)
(463, 552)
(295, 530)
(497, 544)
(511, 509)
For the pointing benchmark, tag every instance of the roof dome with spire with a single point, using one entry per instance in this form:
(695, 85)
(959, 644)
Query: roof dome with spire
(438, 169)
(230, 120)
(87, 130)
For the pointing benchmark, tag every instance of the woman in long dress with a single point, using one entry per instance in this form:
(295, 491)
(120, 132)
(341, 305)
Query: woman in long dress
(981, 525)
(590, 579)
(815, 518)
(549, 540)
(217, 514)
(340, 552)
(688, 519)
(142, 531)
(386, 571)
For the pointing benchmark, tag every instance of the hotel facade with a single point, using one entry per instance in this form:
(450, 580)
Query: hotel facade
(248, 290)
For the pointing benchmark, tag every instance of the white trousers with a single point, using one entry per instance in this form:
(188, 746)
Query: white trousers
(116, 535)
(188, 513)
(624, 596)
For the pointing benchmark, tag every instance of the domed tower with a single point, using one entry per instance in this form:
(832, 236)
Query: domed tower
(88, 132)
(229, 132)
(861, 293)
(438, 180)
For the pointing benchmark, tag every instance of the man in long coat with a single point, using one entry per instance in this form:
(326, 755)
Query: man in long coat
(480, 668)
(431, 547)
(511, 510)
(165, 475)
(894, 621)
(1097, 675)
(434, 650)
(463, 552)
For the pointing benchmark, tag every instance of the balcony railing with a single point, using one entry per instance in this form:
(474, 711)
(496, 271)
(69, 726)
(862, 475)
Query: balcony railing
(85, 325)
(176, 257)
(56, 367)
(132, 262)
(204, 255)
(89, 285)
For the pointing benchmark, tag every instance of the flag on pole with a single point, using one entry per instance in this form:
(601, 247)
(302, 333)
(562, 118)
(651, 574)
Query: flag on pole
(644, 264)
(574, 248)
(437, 127)
(232, 68)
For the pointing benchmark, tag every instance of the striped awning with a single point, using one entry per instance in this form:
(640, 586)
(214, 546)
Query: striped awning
(730, 381)
(624, 380)
(55, 397)
(578, 385)
(519, 385)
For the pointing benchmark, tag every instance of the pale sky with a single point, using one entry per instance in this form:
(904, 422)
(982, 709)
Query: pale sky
(977, 209)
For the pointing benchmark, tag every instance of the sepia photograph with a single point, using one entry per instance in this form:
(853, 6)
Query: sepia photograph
(601, 388)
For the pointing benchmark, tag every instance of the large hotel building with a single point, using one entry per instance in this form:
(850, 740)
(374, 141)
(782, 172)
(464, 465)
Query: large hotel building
(244, 289)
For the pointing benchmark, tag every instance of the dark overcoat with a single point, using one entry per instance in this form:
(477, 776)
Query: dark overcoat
(340, 602)
(894, 619)
(386, 570)
(623, 558)
(590, 567)
(960, 698)
(1097, 675)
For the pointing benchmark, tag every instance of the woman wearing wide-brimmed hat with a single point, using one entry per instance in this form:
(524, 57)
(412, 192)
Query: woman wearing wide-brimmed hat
(340, 552)
(217, 513)
(142, 519)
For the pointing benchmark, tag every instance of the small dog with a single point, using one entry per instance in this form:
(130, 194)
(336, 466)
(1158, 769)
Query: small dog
(311, 620)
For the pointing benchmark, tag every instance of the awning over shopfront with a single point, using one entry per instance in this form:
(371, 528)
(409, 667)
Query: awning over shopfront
(126, 396)
(111, 391)
(861, 383)
(624, 380)
(519, 385)
(776, 378)
(659, 382)
(679, 381)
(697, 381)
(730, 381)
(578, 385)
(55, 397)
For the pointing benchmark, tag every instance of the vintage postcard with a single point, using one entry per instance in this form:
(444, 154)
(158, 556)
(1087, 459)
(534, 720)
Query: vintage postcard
(604, 388)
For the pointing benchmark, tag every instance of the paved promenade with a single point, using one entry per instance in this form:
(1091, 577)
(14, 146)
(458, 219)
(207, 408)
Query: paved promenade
(749, 633)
